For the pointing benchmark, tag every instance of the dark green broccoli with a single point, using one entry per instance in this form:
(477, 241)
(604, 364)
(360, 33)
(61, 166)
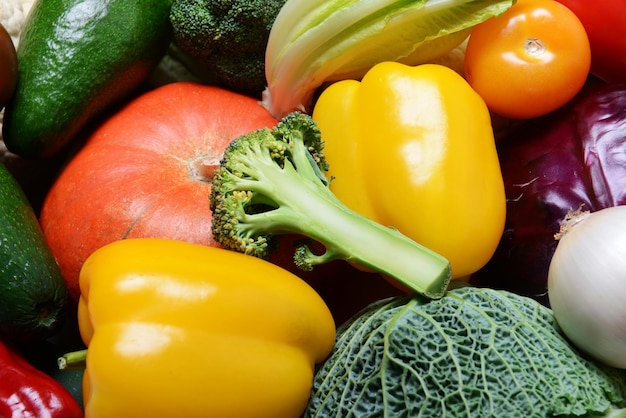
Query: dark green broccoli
(272, 182)
(226, 38)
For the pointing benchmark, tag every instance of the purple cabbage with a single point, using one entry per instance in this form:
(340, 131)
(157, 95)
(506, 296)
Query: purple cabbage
(573, 157)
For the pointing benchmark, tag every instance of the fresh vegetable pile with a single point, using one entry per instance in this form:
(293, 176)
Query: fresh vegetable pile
(324, 208)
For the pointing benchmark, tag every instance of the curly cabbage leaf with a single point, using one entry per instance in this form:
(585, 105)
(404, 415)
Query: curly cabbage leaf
(473, 353)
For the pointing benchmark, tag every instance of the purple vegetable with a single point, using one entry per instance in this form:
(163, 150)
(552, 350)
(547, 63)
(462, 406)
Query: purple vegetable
(572, 157)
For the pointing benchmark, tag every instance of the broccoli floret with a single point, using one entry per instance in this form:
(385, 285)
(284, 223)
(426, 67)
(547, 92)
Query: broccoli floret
(272, 182)
(227, 38)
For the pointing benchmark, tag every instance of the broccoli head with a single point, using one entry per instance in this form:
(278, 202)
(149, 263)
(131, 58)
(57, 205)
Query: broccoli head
(272, 182)
(227, 38)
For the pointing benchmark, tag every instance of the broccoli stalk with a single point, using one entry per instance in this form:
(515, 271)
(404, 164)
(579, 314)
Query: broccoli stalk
(271, 182)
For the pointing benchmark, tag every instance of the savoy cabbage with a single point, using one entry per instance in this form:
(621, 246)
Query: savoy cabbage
(473, 353)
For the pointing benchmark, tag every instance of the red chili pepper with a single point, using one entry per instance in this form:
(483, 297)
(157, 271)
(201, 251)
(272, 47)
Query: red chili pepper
(27, 392)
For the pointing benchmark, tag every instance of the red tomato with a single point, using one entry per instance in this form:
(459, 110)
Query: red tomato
(529, 61)
(146, 172)
(605, 22)
(8, 67)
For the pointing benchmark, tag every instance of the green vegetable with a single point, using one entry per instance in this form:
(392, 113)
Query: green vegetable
(75, 59)
(33, 294)
(227, 39)
(473, 353)
(313, 41)
(271, 182)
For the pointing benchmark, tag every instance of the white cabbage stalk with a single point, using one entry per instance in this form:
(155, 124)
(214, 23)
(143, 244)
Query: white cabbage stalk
(587, 283)
(316, 41)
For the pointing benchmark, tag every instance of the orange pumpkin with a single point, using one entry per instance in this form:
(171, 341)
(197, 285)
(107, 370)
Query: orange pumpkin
(146, 172)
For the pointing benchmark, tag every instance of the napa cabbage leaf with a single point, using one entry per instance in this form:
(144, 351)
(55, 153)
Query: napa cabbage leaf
(473, 353)
(316, 41)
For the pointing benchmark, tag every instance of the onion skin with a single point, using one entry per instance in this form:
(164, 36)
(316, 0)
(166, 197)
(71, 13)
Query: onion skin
(550, 165)
(587, 285)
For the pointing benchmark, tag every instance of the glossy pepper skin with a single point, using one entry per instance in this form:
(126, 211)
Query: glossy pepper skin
(413, 148)
(175, 329)
(27, 392)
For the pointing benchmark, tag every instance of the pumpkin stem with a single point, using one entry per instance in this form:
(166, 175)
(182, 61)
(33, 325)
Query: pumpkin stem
(202, 168)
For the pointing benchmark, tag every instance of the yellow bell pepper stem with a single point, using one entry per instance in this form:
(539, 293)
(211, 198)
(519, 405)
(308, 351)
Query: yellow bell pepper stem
(413, 148)
(177, 329)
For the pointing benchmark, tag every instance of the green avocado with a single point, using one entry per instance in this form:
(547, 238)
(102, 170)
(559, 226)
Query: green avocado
(33, 293)
(77, 58)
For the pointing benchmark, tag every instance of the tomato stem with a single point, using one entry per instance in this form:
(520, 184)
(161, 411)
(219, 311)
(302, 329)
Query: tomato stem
(534, 47)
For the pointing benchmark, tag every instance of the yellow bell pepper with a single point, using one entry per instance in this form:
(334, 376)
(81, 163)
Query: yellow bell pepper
(413, 148)
(181, 330)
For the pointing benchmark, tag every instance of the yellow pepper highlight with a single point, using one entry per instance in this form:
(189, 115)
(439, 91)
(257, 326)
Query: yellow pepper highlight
(413, 148)
(181, 330)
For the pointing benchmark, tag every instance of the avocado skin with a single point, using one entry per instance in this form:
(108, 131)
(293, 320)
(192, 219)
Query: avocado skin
(33, 294)
(75, 59)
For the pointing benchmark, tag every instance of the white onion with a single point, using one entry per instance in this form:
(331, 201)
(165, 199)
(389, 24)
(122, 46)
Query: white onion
(587, 284)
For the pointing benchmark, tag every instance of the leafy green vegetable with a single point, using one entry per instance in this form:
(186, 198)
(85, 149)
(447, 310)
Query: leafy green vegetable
(473, 353)
(313, 41)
